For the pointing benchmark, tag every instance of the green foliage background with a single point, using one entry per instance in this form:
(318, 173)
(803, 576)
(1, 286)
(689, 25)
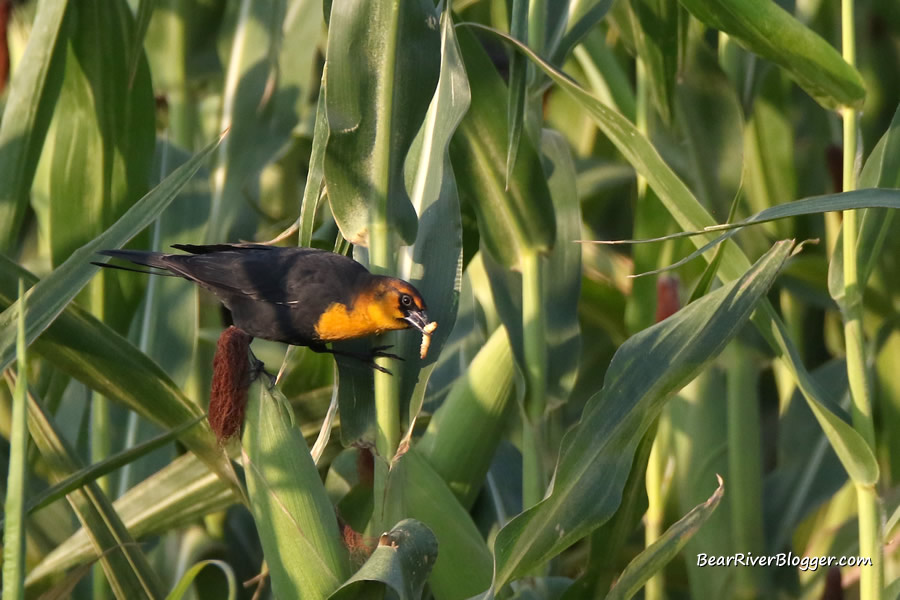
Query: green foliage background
(563, 437)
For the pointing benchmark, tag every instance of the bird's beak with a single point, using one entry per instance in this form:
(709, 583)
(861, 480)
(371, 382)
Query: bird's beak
(417, 318)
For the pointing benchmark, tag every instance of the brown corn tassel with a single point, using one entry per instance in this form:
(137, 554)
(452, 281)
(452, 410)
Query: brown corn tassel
(231, 378)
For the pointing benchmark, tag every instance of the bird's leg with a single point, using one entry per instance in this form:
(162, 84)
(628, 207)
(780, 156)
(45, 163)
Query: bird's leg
(367, 359)
(257, 368)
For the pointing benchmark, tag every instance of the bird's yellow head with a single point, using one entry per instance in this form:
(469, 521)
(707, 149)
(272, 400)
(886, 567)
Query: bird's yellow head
(395, 304)
(385, 303)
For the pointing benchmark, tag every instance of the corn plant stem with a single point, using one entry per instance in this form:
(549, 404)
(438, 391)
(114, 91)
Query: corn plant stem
(653, 523)
(14, 504)
(382, 259)
(131, 428)
(182, 117)
(655, 586)
(387, 437)
(744, 466)
(533, 485)
(216, 225)
(533, 327)
(183, 125)
(537, 24)
(640, 311)
(641, 108)
(101, 432)
(871, 582)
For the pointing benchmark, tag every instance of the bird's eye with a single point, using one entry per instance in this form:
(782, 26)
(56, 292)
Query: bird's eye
(406, 300)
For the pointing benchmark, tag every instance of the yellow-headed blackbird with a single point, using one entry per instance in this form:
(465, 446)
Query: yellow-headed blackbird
(299, 296)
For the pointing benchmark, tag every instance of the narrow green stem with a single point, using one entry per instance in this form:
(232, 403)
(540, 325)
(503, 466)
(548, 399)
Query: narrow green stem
(744, 466)
(101, 433)
(640, 315)
(871, 578)
(871, 582)
(387, 412)
(217, 224)
(641, 112)
(183, 125)
(656, 503)
(101, 429)
(641, 308)
(537, 24)
(182, 116)
(533, 327)
(533, 482)
(387, 403)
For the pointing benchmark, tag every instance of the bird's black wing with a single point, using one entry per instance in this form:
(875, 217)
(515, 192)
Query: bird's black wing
(269, 274)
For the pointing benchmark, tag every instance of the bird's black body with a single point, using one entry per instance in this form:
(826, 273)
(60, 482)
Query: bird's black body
(275, 293)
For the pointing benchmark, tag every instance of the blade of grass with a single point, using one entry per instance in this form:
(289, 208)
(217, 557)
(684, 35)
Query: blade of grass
(16, 484)
(124, 563)
(313, 189)
(561, 44)
(83, 347)
(176, 496)
(654, 558)
(184, 584)
(434, 263)
(96, 470)
(49, 297)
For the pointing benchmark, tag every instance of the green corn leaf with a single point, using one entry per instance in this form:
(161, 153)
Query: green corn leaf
(683, 206)
(511, 222)
(27, 114)
(126, 567)
(771, 32)
(652, 560)
(88, 350)
(382, 67)
(415, 490)
(296, 523)
(51, 295)
(464, 432)
(596, 455)
(398, 568)
(97, 470)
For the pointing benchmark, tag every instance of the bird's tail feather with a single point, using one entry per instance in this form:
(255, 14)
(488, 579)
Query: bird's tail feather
(138, 257)
(121, 268)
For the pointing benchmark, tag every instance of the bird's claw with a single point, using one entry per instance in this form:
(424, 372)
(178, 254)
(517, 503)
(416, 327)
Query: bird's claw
(378, 367)
(257, 368)
(379, 352)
